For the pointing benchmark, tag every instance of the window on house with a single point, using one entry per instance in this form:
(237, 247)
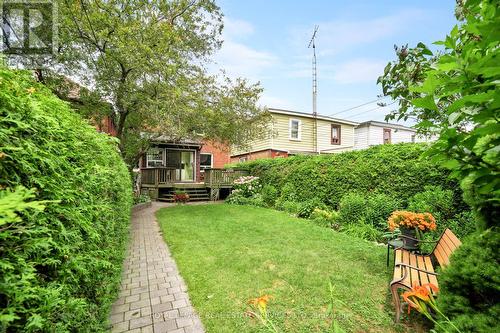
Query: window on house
(243, 159)
(387, 135)
(173, 158)
(154, 157)
(294, 129)
(413, 138)
(335, 134)
(206, 161)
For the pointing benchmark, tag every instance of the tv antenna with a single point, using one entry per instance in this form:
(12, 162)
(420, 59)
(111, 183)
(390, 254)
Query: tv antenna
(314, 88)
(314, 73)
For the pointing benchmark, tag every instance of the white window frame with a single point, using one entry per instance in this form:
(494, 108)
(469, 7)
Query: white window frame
(202, 168)
(299, 129)
(162, 152)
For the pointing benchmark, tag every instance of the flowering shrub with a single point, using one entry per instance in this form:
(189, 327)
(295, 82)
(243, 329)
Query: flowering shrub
(422, 299)
(181, 197)
(325, 217)
(411, 220)
(246, 186)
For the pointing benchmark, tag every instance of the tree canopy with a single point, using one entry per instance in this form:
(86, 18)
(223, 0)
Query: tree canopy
(456, 92)
(148, 59)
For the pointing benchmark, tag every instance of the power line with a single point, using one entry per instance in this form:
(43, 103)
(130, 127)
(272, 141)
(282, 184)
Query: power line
(358, 106)
(378, 107)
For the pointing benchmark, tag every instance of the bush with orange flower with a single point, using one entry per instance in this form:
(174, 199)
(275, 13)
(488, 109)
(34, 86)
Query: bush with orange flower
(411, 220)
(422, 298)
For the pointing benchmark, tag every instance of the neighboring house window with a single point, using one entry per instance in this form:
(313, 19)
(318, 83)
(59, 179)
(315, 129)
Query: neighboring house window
(206, 161)
(294, 129)
(387, 135)
(243, 159)
(154, 157)
(413, 138)
(335, 134)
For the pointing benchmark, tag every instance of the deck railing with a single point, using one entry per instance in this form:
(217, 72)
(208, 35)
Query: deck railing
(222, 177)
(158, 176)
(213, 177)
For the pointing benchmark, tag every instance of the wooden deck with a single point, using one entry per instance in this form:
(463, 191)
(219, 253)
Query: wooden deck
(222, 178)
(168, 177)
(153, 179)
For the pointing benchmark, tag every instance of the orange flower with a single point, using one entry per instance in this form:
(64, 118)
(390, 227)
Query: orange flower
(422, 221)
(261, 301)
(419, 295)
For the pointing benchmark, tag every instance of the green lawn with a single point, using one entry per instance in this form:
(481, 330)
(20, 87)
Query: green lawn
(229, 254)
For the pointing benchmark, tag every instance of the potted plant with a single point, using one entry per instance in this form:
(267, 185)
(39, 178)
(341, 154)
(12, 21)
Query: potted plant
(411, 225)
(181, 196)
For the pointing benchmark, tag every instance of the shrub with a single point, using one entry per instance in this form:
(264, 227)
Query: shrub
(325, 218)
(433, 200)
(269, 195)
(247, 186)
(141, 199)
(287, 193)
(395, 170)
(352, 209)
(291, 207)
(306, 208)
(470, 290)
(362, 230)
(462, 224)
(236, 198)
(379, 207)
(65, 197)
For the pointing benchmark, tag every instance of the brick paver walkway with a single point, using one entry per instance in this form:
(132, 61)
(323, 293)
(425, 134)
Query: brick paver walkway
(153, 296)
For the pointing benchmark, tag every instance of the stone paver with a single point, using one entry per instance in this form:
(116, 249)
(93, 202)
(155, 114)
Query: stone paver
(153, 297)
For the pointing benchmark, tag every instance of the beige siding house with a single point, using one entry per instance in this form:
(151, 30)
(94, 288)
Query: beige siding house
(292, 133)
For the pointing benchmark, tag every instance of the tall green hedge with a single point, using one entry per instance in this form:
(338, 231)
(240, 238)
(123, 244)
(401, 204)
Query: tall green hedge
(65, 197)
(395, 170)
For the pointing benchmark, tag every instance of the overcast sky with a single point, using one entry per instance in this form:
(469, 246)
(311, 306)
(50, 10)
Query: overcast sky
(266, 41)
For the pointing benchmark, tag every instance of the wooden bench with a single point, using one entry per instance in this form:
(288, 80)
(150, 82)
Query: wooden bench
(412, 269)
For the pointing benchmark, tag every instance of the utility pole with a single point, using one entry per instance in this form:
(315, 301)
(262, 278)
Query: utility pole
(314, 89)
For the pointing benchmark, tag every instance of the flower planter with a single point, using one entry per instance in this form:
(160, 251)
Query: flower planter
(409, 243)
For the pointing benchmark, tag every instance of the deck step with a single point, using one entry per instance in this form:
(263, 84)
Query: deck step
(195, 194)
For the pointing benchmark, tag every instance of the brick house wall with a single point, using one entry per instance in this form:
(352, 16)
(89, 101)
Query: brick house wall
(267, 153)
(220, 153)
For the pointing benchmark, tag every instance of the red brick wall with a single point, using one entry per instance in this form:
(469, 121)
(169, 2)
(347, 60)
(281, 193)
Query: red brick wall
(220, 153)
(107, 125)
(197, 159)
(268, 153)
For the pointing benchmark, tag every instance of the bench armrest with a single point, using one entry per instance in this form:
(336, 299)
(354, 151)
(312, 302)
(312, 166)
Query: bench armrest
(416, 239)
(416, 268)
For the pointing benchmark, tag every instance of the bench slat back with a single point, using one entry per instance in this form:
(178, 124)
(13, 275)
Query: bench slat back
(445, 247)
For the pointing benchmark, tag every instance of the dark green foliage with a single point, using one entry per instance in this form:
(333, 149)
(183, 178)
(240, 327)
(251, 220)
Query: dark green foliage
(269, 195)
(141, 199)
(237, 199)
(462, 224)
(352, 209)
(291, 207)
(363, 230)
(325, 218)
(433, 200)
(64, 211)
(470, 286)
(379, 207)
(455, 92)
(306, 208)
(394, 170)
